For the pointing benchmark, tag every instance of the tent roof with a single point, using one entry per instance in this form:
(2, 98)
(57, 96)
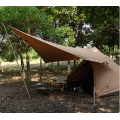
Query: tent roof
(51, 52)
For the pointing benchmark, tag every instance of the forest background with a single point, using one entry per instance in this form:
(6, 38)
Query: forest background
(64, 25)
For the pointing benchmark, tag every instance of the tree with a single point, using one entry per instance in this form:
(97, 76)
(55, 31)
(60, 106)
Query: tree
(102, 19)
(64, 24)
(1, 70)
(25, 18)
(58, 29)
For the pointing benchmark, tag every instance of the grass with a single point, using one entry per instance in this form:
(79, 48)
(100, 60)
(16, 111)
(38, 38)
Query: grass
(11, 70)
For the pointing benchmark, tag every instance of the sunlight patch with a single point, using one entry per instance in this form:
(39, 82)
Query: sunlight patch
(34, 79)
(16, 77)
(105, 110)
(1, 82)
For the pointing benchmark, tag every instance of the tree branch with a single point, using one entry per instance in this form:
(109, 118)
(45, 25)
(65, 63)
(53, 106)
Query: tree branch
(116, 25)
(18, 38)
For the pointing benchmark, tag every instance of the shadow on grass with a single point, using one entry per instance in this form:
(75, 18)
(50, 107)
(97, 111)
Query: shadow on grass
(14, 98)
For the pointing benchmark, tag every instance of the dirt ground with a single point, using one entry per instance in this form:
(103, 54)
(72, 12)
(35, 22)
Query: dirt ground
(14, 98)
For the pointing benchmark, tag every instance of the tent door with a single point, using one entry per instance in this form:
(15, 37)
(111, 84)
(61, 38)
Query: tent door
(88, 82)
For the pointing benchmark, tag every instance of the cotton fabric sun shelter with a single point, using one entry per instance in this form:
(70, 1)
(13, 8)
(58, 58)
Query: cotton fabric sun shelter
(105, 70)
(51, 52)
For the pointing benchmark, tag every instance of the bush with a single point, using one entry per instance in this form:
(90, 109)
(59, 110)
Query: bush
(116, 54)
(32, 54)
(7, 55)
(105, 49)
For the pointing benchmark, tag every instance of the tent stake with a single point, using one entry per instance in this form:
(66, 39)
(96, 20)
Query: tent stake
(16, 61)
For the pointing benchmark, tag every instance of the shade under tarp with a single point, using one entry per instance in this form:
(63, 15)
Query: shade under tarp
(51, 52)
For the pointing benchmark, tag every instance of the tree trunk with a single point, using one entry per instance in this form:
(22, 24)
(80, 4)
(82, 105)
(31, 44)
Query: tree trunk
(27, 59)
(94, 35)
(27, 54)
(113, 52)
(113, 43)
(46, 65)
(99, 47)
(21, 58)
(52, 65)
(77, 30)
(1, 70)
(74, 63)
(69, 67)
(109, 49)
(81, 34)
(40, 69)
(58, 66)
(28, 64)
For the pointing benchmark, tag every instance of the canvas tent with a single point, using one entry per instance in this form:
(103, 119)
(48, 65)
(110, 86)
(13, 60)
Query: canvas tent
(105, 77)
(105, 71)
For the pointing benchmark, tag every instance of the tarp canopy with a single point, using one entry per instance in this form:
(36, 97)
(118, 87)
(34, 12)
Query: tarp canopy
(51, 52)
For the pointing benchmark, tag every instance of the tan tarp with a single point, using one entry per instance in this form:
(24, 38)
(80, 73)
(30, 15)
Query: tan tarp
(106, 76)
(51, 52)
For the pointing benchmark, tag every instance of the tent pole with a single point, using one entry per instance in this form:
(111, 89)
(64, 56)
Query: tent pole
(16, 61)
(94, 89)
(93, 67)
(94, 94)
(40, 68)
(58, 66)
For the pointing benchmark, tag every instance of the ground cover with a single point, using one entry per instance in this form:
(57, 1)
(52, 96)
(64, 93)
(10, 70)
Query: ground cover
(14, 98)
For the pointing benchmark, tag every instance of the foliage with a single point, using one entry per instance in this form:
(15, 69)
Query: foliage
(103, 20)
(100, 14)
(7, 54)
(56, 27)
(116, 53)
(20, 17)
(33, 54)
(64, 25)
(105, 49)
(65, 35)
